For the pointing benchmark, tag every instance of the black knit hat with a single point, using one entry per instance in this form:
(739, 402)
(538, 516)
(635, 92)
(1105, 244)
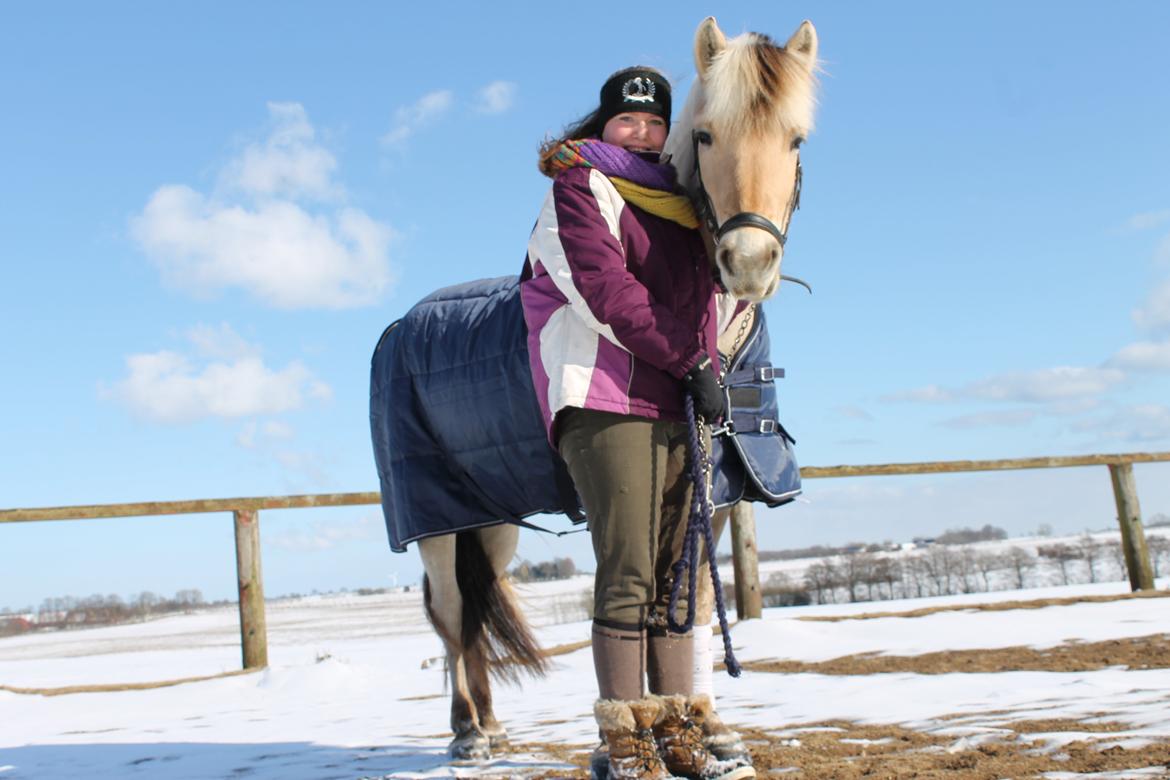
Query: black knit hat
(635, 89)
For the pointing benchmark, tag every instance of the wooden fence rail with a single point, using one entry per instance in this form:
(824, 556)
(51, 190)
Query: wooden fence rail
(246, 513)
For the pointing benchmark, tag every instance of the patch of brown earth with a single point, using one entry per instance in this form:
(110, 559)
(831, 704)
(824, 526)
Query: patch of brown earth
(1144, 652)
(570, 647)
(119, 687)
(844, 751)
(840, 750)
(994, 606)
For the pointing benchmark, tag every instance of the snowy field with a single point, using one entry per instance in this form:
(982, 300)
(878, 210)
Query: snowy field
(354, 691)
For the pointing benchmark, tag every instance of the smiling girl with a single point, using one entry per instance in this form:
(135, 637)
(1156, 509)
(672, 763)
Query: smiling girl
(619, 300)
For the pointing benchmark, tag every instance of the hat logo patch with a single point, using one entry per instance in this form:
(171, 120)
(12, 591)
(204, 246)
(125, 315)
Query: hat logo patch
(638, 90)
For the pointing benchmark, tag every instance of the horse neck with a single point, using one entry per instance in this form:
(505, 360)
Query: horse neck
(731, 333)
(679, 145)
(681, 151)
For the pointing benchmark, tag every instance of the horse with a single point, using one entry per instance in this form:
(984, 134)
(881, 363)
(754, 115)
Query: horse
(736, 149)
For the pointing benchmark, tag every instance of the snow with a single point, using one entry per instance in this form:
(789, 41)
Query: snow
(353, 691)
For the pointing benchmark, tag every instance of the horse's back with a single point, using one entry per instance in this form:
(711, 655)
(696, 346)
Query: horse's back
(457, 433)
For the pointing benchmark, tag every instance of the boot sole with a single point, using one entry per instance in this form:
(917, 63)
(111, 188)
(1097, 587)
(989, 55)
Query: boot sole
(739, 773)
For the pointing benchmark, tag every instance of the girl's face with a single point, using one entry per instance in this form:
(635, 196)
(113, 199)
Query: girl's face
(636, 131)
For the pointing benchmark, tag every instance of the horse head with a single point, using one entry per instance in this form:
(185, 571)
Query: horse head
(737, 147)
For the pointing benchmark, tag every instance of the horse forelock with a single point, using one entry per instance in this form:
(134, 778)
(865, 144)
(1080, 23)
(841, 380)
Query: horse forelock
(754, 85)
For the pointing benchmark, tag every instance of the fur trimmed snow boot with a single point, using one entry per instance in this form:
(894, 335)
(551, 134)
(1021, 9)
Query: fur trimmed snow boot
(679, 733)
(628, 729)
(724, 743)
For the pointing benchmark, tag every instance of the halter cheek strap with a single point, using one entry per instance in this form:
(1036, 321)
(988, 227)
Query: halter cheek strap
(744, 218)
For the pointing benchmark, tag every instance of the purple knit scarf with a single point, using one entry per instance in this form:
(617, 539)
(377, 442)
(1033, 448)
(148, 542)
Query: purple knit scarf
(614, 161)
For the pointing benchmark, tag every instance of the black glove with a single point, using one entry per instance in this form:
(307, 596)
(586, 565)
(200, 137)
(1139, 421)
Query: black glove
(704, 387)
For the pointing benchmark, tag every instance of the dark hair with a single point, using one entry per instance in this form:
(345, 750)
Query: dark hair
(589, 126)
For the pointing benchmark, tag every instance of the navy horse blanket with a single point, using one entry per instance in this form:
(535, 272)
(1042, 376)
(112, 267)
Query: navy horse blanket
(458, 438)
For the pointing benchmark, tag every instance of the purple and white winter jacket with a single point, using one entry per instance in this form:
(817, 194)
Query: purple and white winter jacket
(619, 303)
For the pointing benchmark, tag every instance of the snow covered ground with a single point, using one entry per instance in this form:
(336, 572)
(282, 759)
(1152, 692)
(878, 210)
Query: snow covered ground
(352, 690)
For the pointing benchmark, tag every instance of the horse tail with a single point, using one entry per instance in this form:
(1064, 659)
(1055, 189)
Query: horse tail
(492, 622)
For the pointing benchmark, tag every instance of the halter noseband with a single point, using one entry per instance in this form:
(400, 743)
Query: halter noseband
(743, 218)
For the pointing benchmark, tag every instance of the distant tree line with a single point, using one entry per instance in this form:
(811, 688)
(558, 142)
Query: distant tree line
(98, 610)
(987, 533)
(556, 569)
(949, 569)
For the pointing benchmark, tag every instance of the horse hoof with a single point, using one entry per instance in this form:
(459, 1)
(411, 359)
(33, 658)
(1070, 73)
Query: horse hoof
(498, 739)
(472, 747)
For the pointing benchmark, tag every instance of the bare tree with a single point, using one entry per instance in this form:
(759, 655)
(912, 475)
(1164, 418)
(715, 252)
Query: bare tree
(857, 570)
(1020, 562)
(965, 570)
(1115, 553)
(822, 578)
(914, 577)
(1063, 556)
(939, 566)
(985, 563)
(888, 570)
(1159, 547)
(1091, 551)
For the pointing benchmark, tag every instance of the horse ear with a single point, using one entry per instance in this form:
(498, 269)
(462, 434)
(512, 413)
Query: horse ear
(804, 43)
(709, 41)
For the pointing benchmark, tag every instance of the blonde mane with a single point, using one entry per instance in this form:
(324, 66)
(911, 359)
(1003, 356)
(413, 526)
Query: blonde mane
(751, 85)
(754, 83)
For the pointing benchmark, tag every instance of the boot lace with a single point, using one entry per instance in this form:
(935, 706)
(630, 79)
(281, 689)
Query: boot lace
(646, 750)
(691, 735)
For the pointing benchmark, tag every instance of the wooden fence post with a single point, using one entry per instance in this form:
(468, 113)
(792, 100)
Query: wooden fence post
(1129, 517)
(746, 561)
(253, 625)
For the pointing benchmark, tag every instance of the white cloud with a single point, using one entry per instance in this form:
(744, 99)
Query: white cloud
(220, 342)
(1143, 356)
(1071, 407)
(854, 413)
(171, 387)
(324, 535)
(1148, 220)
(259, 239)
(496, 97)
(289, 163)
(927, 394)
(1154, 315)
(1138, 423)
(277, 251)
(1046, 384)
(254, 435)
(997, 419)
(409, 119)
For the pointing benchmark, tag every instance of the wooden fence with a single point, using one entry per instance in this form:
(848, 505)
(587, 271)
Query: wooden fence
(246, 513)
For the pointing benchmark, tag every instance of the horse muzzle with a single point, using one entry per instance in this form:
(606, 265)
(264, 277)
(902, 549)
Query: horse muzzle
(749, 263)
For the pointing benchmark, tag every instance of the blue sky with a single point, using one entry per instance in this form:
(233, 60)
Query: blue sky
(211, 211)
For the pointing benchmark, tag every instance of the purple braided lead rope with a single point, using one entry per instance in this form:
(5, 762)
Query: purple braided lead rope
(699, 522)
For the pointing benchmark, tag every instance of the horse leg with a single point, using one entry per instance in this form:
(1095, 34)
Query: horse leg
(499, 544)
(722, 741)
(444, 608)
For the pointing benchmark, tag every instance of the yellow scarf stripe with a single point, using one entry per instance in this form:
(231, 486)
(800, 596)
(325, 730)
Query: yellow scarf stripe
(676, 208)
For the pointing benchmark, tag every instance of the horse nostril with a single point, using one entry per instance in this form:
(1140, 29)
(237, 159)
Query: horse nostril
(723, 257)
(775, 254)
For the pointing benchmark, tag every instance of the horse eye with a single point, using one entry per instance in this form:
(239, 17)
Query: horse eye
(796, 142)
(703, 137)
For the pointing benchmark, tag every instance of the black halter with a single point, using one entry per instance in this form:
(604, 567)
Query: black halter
(743, 218)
